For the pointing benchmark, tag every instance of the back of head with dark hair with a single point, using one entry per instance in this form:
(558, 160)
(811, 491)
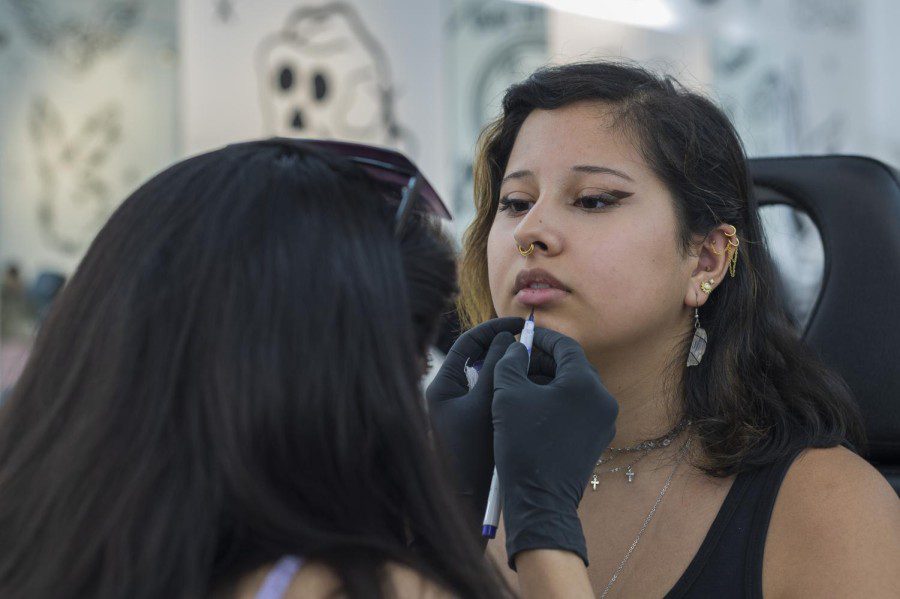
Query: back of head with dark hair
(231, 376)
(759, 392)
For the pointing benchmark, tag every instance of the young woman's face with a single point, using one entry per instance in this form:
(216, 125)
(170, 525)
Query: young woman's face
(607, 267)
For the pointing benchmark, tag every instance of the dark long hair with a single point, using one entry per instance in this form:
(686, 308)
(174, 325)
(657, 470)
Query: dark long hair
(759, 393)
(231, 376)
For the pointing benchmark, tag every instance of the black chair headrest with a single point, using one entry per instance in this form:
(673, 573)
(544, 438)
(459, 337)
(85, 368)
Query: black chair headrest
(855, 323)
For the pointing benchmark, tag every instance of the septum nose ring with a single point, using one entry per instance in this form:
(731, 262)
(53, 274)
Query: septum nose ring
(526, 252)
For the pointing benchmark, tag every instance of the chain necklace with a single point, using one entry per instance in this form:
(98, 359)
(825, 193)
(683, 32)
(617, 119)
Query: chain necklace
(629, 472)
(651, 444)
(644, 446)
(649, 517)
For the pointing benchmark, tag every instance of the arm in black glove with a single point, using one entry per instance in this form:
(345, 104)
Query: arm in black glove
(547, 439)
(461, 418)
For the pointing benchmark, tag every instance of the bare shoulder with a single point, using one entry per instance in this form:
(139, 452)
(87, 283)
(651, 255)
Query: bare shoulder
(317, 580)
(407, 582)
(314, 580)
(835, 529)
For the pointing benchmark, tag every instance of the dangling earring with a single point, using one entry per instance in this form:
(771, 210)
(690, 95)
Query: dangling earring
(698, 344)
(732, 246)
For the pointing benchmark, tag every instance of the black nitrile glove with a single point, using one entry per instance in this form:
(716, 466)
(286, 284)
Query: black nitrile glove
(461, 418)
(547, 439)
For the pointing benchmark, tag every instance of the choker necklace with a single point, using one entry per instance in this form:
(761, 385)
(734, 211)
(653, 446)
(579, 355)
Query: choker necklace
(645, 447)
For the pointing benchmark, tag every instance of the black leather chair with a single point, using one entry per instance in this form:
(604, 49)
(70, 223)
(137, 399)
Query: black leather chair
(855, 322)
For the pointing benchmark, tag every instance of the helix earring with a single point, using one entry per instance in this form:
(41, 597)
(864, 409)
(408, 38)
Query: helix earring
(698, 343)
(707, 286)
(715, 251)
(526, 252)
(733, 244)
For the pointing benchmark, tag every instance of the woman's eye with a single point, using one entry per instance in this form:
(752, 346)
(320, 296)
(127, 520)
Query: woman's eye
(515, 206)
(596, 202)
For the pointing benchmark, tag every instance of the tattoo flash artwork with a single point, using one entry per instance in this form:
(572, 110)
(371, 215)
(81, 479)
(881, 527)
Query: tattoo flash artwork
(224, 10)
(841, 17)
(77, 40)
(323, 74)
(493, 45)
(74, 196)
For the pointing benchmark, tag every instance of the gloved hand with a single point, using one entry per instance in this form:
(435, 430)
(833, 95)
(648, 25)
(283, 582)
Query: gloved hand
(461, 418)
(547, 439)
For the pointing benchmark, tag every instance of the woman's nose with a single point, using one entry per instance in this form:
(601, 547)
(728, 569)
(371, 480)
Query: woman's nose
(537, 233)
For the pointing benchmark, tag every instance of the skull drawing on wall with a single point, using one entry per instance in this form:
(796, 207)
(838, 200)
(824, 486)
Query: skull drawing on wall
(324, 75)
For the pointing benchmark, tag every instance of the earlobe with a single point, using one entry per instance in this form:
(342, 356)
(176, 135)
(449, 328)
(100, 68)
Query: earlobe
(706, 276)
(693, 296)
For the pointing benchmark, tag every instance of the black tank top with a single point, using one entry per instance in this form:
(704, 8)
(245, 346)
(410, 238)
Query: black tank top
(730, 559)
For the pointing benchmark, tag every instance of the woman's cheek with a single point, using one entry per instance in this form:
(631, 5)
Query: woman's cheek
(498, 267)
(502, 301)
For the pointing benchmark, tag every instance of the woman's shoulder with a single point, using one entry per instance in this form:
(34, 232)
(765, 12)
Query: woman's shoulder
(832, 478)
(835, 528)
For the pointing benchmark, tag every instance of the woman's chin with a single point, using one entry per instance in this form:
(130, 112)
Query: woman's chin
(544, 316)
(548, 320)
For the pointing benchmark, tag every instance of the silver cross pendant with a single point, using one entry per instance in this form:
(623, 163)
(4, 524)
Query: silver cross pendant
(594, 482)
(630, 474)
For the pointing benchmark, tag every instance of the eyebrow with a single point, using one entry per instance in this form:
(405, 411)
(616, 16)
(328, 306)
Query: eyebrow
(589, 168)
(581, 168)
(517, 175)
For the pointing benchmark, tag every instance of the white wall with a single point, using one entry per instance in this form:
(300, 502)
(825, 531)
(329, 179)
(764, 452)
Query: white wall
(684, 55)
(881, 104)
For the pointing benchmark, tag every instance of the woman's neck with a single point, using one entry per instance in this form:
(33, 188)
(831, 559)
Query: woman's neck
(640, 380)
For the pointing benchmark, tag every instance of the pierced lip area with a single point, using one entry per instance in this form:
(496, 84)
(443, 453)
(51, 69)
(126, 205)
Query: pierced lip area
(537, 287)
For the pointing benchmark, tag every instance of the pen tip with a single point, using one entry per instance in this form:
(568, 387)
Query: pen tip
(531, 316)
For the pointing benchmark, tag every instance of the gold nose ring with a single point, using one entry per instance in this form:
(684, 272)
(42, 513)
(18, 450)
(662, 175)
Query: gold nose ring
(526, 252)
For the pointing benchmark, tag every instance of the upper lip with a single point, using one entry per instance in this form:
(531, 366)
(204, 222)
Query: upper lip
(536, 275)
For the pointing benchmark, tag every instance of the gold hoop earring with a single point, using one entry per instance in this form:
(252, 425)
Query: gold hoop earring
(526, 252)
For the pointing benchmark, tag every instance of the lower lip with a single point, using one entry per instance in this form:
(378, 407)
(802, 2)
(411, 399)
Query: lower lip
(540, 297)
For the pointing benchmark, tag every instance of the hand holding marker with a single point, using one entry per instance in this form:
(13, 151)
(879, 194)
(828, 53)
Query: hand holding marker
(459, 401)
(492, 511)
(542, 480)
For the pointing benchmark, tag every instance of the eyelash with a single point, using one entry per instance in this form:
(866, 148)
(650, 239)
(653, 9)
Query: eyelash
(607, 198)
